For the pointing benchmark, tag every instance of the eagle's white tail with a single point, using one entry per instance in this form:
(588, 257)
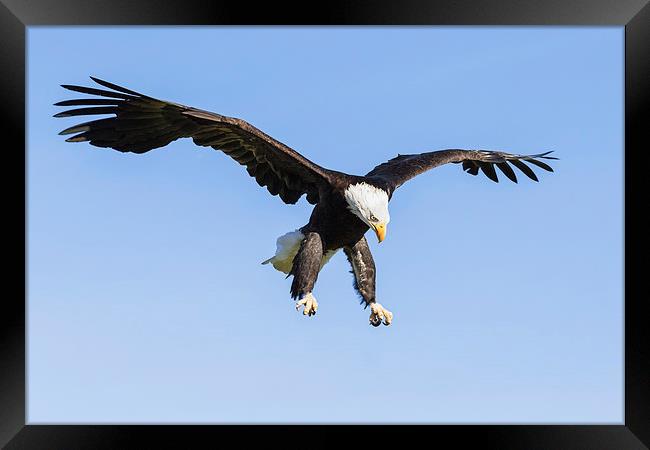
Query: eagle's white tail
(287, 247)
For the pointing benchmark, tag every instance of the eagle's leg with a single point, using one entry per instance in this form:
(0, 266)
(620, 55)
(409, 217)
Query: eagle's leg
(306, 266)
(363, 268)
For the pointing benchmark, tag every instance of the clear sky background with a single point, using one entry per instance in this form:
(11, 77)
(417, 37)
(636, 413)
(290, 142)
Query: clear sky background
(146, 298)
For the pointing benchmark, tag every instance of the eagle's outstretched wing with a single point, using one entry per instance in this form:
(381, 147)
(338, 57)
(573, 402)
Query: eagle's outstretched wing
(395, 172)
(142, 123)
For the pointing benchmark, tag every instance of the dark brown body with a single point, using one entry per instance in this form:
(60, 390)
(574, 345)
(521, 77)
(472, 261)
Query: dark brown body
(331, 227)
(337, 226)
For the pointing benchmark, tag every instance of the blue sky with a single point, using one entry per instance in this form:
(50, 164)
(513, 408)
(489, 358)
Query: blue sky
(147, 302)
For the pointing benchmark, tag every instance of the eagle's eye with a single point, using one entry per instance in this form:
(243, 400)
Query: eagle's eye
(373, 218)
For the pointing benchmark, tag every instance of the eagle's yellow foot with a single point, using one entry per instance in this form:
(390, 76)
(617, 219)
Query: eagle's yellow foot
(310, 304)
(380, 314)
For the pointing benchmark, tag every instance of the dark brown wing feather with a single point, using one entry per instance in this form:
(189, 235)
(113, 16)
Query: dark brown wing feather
(402, 168)
(142, 123)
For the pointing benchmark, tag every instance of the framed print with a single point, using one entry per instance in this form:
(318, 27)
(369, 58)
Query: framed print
(502, 317)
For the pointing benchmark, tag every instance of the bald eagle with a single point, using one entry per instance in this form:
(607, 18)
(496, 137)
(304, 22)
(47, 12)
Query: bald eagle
(346, 206)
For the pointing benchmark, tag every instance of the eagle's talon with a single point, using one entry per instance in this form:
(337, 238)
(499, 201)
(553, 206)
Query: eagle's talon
(310, 304)
(380, 315)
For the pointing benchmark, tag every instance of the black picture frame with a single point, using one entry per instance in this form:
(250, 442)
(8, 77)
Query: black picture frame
(16, 15)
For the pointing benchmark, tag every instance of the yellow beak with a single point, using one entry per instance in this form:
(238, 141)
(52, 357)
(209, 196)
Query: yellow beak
(380, 231)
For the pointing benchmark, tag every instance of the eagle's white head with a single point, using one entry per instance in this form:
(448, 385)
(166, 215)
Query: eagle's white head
(370, 204)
